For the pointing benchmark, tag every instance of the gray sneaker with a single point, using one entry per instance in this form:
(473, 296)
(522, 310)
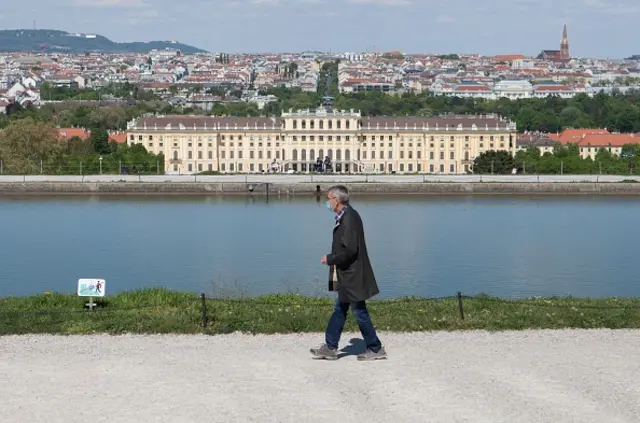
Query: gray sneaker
(370, 355)
(324, 352)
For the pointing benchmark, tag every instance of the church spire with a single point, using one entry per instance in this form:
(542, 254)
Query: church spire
(564, 44)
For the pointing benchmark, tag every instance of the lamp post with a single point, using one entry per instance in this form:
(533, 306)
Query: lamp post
(100, 165)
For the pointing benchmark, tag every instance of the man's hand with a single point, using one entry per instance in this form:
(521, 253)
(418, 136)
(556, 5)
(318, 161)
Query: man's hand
(323, 260)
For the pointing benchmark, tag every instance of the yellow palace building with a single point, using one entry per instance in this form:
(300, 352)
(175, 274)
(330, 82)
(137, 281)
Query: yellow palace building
(294, 141)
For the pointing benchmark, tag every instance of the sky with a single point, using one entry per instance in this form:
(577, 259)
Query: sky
(597, 28)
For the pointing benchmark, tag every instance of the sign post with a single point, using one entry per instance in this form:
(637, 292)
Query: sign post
(91, 288)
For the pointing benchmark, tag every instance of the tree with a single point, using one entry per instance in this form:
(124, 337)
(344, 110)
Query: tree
(100, 140)
(494, 162)
(108, 117)
(291, 70)
(26, 146)
(13, 108)
(76, 146)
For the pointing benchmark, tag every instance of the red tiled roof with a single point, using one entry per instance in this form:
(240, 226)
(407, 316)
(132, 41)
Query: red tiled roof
(118, 136)
(508, 57)
(575, 135)
(552, 88)
(68, 133)
(472, 88)
(531, 71)
(608, 140)
(65, 134)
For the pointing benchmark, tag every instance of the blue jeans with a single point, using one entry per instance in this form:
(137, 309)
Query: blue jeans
(338, 318)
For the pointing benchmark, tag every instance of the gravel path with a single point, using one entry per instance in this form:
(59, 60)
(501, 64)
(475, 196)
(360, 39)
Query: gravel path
(526, 376)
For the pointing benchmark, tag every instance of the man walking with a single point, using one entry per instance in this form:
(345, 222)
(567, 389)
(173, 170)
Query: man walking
(351, 275)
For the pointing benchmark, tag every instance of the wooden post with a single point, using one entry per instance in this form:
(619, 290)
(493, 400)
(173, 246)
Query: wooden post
(204, 310)
(460, 306)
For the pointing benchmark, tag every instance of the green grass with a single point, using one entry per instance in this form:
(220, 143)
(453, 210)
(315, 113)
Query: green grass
(159, 310)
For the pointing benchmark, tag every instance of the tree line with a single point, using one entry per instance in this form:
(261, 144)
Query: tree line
(29, 146)
(565, 159)
(615, 112)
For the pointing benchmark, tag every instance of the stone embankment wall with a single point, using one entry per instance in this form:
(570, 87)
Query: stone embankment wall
(224, 188)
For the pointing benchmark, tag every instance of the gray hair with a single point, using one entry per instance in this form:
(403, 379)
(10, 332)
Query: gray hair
(340, 193)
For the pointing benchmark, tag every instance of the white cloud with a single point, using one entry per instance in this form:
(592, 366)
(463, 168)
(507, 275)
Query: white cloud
(383, 2)
(148, 14)
(595, 3)
(612, 8)
(246, 3)
(112, 3)
(135, 12)
(316, 13)
(445, 19)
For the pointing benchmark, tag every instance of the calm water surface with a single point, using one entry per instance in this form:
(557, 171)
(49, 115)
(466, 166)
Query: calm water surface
(426, 246)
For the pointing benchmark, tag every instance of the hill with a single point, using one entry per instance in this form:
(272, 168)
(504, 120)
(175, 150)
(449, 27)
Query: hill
(29, 40)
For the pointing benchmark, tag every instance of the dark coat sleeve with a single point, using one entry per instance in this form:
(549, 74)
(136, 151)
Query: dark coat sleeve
(348, 245)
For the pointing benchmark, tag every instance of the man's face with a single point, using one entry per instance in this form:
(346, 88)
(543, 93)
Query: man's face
(332, 201)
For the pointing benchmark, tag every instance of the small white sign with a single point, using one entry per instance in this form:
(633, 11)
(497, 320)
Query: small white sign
(91, 287)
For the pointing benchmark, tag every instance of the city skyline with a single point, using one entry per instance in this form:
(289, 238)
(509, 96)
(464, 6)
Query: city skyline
(597, 28)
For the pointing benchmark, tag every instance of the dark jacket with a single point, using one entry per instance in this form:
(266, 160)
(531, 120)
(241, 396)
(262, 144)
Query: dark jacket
(356, 281)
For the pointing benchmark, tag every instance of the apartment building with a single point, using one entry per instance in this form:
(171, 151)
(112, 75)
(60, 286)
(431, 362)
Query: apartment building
(296, 139)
